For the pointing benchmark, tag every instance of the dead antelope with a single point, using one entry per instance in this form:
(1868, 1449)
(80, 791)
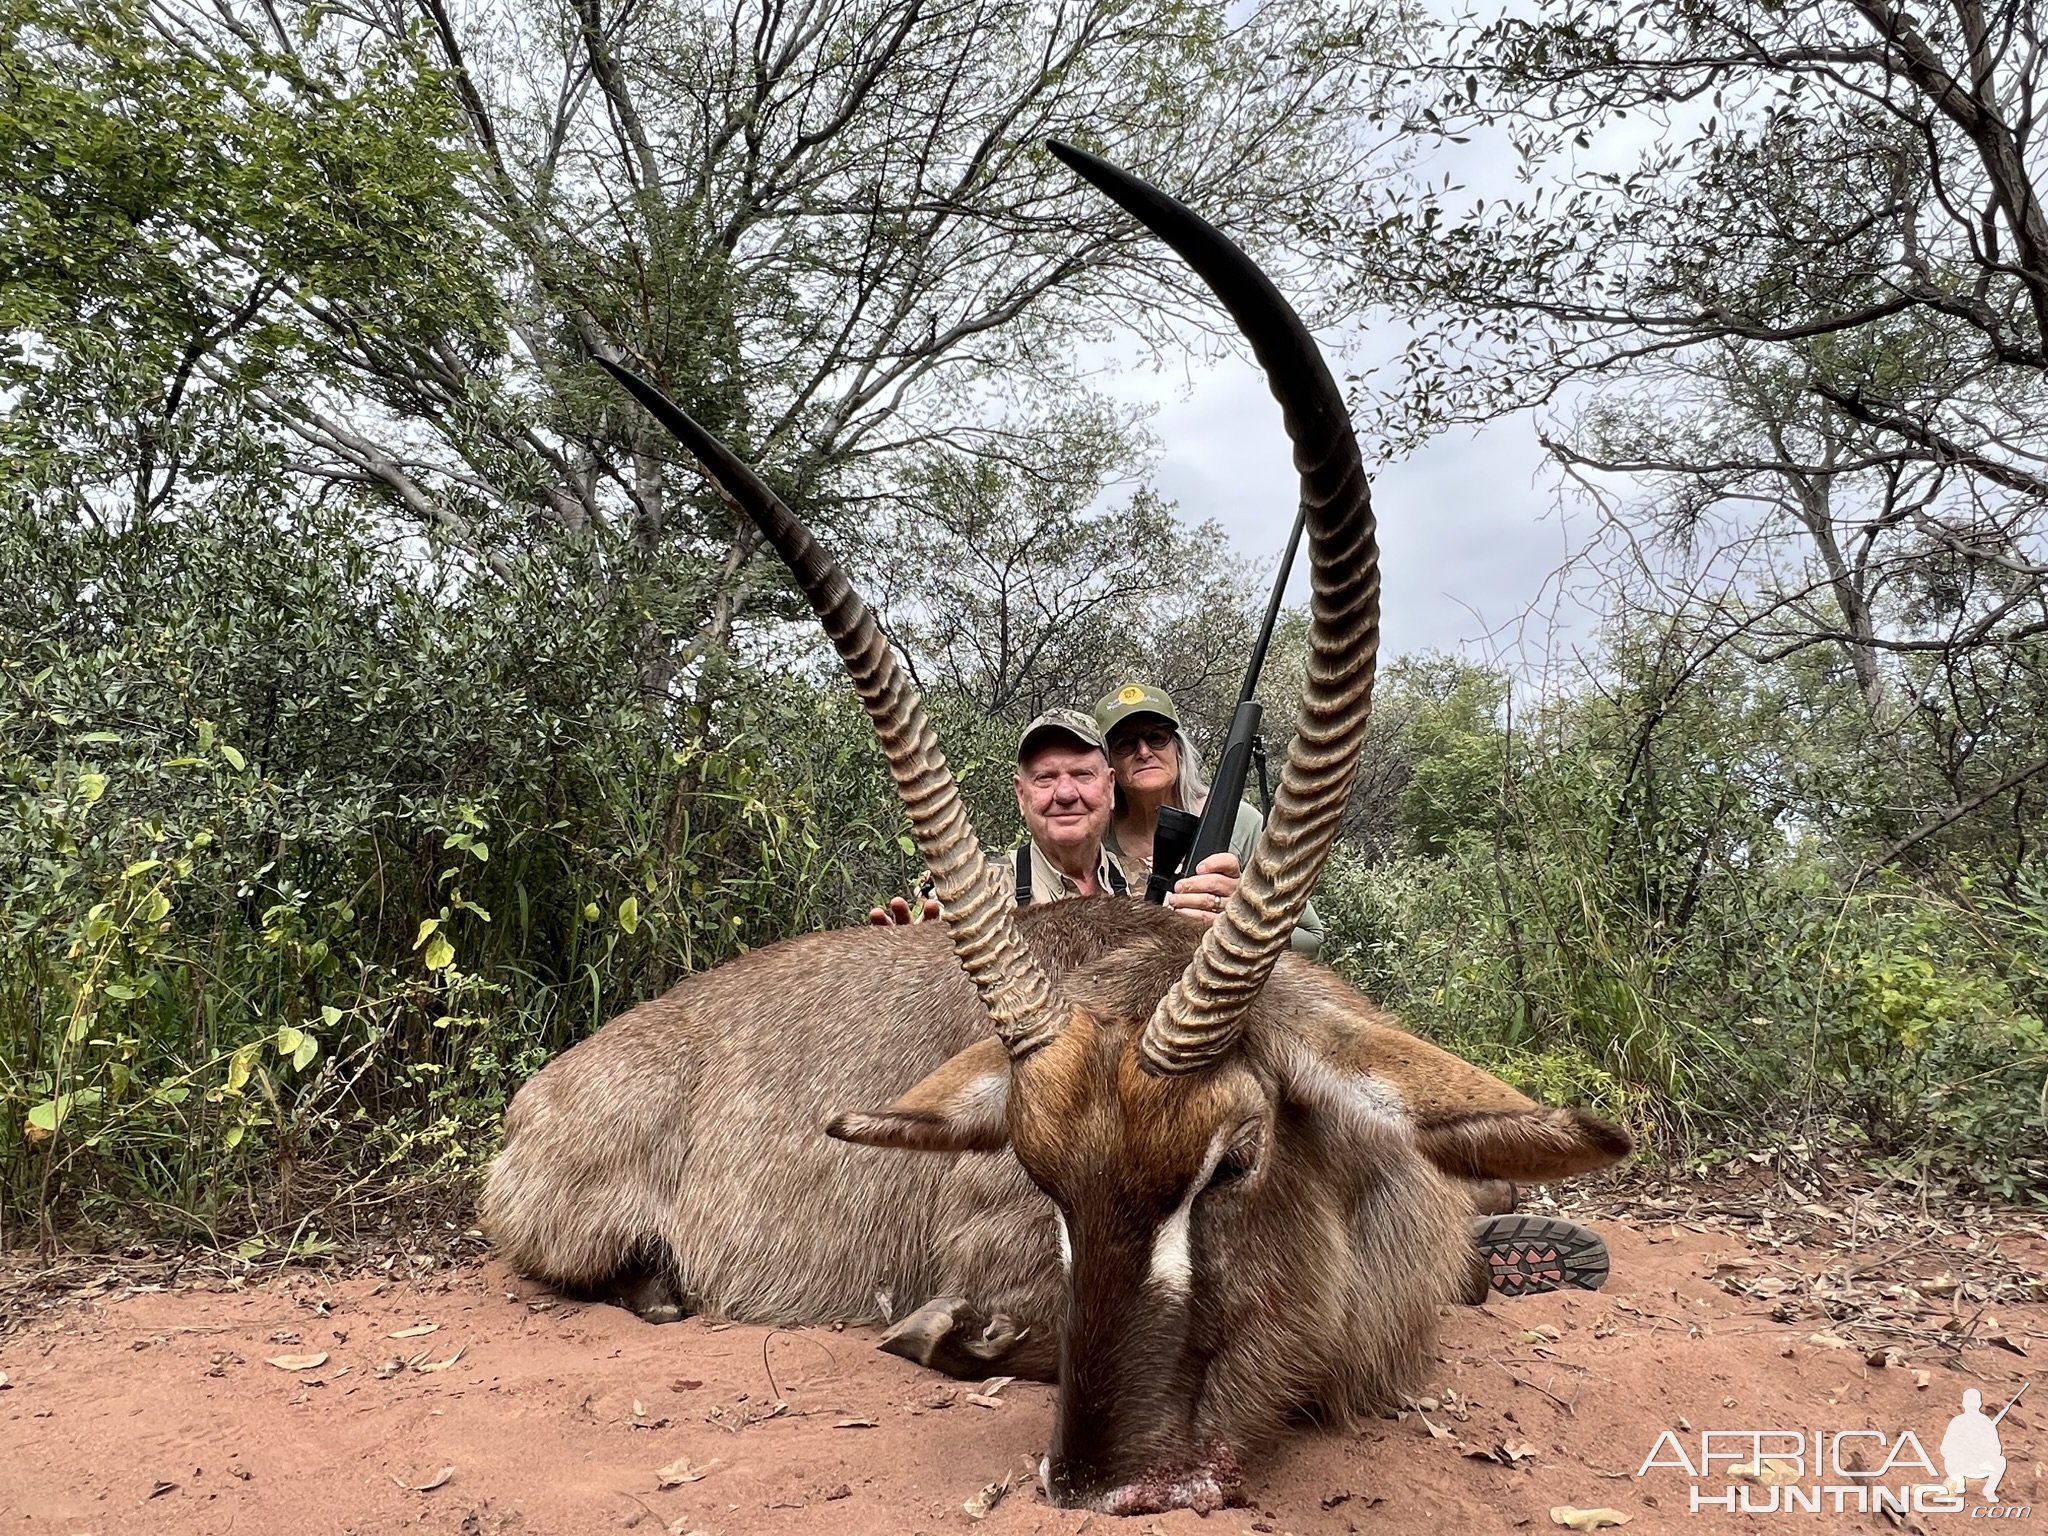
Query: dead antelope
(1197, 1180)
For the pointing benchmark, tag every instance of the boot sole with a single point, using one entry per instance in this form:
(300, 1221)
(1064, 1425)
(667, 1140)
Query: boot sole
(1527, 1255)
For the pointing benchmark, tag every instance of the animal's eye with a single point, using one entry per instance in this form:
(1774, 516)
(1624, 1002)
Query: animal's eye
(1240, 1161)
(1235, 1164)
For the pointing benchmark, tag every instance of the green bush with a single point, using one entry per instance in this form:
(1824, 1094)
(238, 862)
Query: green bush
(1707, 977)
(306, 863)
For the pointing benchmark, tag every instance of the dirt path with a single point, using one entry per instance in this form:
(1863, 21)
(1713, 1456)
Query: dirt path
(163, 1412)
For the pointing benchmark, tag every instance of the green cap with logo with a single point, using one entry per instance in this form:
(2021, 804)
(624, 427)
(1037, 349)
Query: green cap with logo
(1068, 722)
(1117, 706)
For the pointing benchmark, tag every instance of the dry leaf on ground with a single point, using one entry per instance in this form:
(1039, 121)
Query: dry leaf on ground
(1573, 1518)
(1509, 1453)
(430, 1484)
(299, 1362)
(441, 1365)
(679, 1472)
(419, 1331)
(979, 1506)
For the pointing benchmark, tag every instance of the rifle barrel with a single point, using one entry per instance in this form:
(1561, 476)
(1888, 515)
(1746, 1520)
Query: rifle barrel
(1251, 676)
(2015, 1398)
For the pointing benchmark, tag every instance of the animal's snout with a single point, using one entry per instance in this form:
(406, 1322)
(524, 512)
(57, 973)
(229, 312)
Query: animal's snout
(1213, 1481)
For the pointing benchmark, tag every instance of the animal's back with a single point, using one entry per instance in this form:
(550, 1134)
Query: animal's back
(694, 1124)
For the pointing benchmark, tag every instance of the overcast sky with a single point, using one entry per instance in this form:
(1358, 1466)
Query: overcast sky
(1470, 528)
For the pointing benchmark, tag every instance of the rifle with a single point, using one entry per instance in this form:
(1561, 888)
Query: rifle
(2015, 1398)
(1183, 839)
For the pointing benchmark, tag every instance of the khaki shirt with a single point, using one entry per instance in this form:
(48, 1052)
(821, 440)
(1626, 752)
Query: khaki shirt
(1049, 882)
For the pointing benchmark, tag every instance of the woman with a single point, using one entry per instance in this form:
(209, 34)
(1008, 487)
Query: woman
(1154, 764)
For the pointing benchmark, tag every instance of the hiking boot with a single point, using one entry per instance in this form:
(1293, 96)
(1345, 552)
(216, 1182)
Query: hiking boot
(1525, 1255)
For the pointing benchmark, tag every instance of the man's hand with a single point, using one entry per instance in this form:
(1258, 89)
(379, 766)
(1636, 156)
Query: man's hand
(897, 914)
(1203, 894)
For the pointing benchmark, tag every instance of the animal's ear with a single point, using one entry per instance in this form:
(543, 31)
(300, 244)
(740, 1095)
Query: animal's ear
(961, 1107)
(1523, 1145)
(1464, 1120)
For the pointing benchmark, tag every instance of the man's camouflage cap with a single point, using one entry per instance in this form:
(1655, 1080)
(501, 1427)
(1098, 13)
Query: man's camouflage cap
(1070, 722)
(1113, 708)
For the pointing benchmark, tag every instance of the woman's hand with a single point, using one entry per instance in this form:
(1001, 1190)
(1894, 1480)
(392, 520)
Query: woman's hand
(1203, 894)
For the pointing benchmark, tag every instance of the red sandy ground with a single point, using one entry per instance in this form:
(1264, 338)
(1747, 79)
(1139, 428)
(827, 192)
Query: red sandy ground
(158, 1410)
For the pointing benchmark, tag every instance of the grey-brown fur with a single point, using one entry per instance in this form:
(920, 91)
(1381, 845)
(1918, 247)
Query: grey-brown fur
(689, 1133)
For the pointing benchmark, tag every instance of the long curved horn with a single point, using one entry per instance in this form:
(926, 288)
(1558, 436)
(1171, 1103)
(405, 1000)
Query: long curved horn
(1200, 1018)
(1013, 986)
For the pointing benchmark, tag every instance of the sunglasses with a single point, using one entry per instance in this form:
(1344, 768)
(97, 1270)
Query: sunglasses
(1159, 739)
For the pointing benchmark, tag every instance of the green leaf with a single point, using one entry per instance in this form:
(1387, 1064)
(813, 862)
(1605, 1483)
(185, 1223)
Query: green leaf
(242, 1064)
(590, 913)
(303, 1056)
(233, 1138)
(440, 954)
(427, 927)
(97, 738)
(140, 866)
(49, 1114)
(92, 786)
(235, 759)
(288, 1039)
(629, 914)
(330, 1015)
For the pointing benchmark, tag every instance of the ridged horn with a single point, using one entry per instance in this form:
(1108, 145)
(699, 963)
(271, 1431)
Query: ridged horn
(1014, 988)
(1200, 1019)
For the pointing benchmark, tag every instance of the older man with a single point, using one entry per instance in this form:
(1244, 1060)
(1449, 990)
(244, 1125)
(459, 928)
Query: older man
(1064, 790)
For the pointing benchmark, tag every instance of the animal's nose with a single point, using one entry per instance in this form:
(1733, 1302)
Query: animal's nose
(1201, 1490)
(1204, 1482)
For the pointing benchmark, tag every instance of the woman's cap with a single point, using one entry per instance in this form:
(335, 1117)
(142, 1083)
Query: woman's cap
(1112, 709)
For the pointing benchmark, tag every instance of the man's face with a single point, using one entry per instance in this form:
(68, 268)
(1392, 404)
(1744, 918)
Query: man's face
(1063, 791)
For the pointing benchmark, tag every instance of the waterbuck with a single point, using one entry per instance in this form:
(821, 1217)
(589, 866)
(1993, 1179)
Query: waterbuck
(1197, 1180)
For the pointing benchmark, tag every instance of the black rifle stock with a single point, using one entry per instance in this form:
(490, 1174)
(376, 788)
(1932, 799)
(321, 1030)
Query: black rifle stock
(1183, 840)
